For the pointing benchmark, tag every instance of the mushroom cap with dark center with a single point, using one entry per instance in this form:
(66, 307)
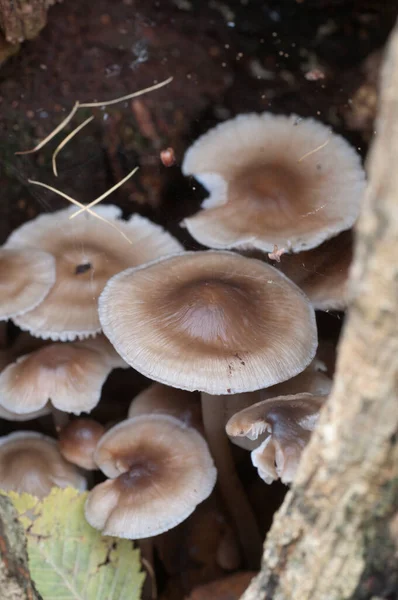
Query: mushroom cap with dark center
(210, 321)
(78, 441)
(87, 253)
(26, 277)
(30, 462)
(70, 374)
(288, 422)
(160, 471)
(273, 180)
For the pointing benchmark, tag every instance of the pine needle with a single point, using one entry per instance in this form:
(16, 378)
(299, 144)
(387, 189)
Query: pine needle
(59, 128)
(129, 96)
(79, 204)
(313, 151)
(97, 200)
(65, 141)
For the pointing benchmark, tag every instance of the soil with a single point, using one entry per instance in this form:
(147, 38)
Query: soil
(316, 58)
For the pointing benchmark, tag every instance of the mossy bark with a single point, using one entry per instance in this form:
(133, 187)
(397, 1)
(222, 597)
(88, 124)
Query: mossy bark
(24, 19)
(15, 581)
(336, 535)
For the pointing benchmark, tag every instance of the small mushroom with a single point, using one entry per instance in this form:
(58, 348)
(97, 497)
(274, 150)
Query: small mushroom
(30, 462)
(70, 375)
(26, 277)
(164, 400)
(87, 253)
(210, 321)
(288, 422)
(273, 181)
(322, 273)
(159, 471)
(78, 441)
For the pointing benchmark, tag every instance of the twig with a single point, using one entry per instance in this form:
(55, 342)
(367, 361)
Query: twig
(129, 96)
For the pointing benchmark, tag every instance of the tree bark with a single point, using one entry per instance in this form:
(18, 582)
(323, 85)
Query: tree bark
(24, 19)
(336, 535)
(15, 581)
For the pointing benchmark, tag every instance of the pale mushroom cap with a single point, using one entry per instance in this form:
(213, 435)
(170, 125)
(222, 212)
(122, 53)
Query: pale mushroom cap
(30, 462)
(78, 441)
(70, 374)
(87, 253)
(210, 321)
(322, 273)
(12, 416)
(273, 180)
(166, 400)
(26, 277)
(161, 471)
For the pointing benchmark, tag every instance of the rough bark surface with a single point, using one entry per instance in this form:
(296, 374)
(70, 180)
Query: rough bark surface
(336, 535)
(24, 19)
(15, 582)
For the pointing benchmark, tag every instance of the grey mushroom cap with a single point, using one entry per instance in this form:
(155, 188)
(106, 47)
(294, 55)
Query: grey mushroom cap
(211, 321)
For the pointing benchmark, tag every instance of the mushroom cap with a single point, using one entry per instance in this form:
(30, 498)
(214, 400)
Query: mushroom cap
(30, 462)
(26, 277)
(78, 441)
(287, 422)
(87, 253)
(210, 321)
(12, 416)
(70, 374)
(160, 469)
(273, 180)
(322, 273)
(164, 400)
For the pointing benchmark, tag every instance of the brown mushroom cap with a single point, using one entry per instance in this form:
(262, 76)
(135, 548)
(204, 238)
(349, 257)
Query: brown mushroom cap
(160, 471)
(322, 273)
(30, 462)
(164, 400)
(78, 441)
(87, 253)
(273, 180)
(210, 321)
(26, 277)
(288, 422)
(69, 374)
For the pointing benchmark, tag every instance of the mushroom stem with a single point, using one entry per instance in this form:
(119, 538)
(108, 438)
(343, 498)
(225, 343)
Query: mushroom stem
(230, 486)
(60, 418)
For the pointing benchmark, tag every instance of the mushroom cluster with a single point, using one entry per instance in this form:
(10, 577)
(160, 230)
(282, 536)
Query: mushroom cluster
(228, 342)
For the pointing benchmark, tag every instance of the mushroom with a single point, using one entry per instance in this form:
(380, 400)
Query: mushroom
(288, 422)
(322, 273)
(12, 416)
(87, 254)
(26, 277)
(162, 399)
(159, 471)
(30, 462)
(78, 441)
(69, 374)
(215, 322)
(273, 181)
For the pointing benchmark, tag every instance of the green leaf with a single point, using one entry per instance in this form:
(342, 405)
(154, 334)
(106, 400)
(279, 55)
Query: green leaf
(68, 559)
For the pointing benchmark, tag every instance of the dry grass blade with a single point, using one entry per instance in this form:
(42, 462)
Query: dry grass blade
(65, 141)
(79, 204)
(307, 154)
(107, 193)
(129, 96)
(54, 132)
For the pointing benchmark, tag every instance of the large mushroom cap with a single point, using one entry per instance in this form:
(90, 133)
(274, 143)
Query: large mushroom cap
(30, 462)
(70, 374)
(26, 277)
(210, 321)
(287, 422)
(273, 180)
(87, 253)
(160, 471)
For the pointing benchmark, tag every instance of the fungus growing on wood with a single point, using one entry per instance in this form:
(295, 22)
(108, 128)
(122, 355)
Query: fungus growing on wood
(210, 321)
(78, 441)
(30, 462)
(26, 277)
(273, 181)
(70, 375)
(87, 254)
(288, 422)
(159, 471)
